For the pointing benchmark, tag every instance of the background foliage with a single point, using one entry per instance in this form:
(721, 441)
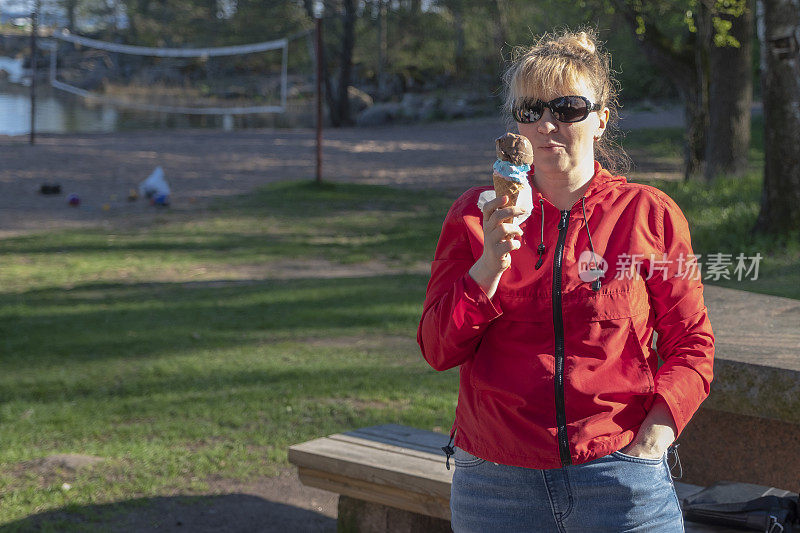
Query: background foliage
(454, 46)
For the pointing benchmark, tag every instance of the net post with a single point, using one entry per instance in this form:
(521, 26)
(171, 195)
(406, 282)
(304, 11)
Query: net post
(284, 75)
(319, 99)
(34, 30)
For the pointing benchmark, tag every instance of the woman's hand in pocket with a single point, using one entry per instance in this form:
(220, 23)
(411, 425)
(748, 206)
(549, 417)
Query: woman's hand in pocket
(655, 435)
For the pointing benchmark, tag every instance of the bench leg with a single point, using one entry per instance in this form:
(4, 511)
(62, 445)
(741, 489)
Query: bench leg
(359, 516)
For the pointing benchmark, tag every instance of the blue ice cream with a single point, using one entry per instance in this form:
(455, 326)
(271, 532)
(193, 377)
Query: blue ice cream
(515, 173)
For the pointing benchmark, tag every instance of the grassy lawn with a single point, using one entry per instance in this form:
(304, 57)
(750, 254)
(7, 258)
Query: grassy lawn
(171, 353)
(127, 346)
(722, 214)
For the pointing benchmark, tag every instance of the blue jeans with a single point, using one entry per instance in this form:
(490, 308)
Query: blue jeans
(611, 494)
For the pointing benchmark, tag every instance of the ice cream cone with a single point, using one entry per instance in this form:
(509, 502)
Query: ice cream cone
(505, 187)
(514, 156)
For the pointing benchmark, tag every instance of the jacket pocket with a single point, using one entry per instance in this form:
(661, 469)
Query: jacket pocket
(513, 364)
(641, 352)
(606, 368)
(584, 305)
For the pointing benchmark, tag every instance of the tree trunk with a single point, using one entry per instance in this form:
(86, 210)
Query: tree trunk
(382, 48)
(346, 62)
(698, 122)
(71, 6)
(460, 44)
(696, 119)
(683, 67)
(329, 92)
(780, 78)
(500, 33)
(309, 7)
(336, 97)
(730, 90)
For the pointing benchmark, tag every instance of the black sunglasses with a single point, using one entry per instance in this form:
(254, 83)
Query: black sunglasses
(563, 108)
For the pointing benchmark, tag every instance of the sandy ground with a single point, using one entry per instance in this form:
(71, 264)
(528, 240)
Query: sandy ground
(202, 165)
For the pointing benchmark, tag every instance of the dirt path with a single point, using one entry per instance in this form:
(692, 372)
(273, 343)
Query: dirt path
(204, 164)
(269, 505)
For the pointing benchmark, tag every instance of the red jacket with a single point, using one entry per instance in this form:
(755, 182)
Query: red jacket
(552, 371)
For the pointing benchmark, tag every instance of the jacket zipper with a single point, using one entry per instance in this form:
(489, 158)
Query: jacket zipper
(558, 324)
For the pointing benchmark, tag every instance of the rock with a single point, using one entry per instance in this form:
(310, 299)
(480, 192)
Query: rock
(458, 109)
(379, 114)
(358, 100)
(430, 109)
(411, 105)
(302, 89)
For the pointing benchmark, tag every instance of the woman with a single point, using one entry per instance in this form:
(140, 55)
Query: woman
(564, 417)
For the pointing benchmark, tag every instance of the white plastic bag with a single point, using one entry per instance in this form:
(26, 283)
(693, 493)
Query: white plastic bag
(155, 185)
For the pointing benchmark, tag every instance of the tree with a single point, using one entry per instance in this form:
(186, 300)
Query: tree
(677, 51)
(70, 6)
(779, 27)
(730, 58)
(678, 39)
(456, 9)
(336, 95)
(383, 48)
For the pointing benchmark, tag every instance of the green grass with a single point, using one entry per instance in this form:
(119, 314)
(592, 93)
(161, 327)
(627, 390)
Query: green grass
(343, 223)
(125, 345)
(722, 214)
(119, 345)
(721, 217)
(656, 143)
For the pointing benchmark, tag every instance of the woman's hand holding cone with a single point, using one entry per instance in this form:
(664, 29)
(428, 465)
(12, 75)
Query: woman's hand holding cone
(499, 240)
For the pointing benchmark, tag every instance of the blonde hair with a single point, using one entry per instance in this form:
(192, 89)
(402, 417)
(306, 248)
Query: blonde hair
(560, 62)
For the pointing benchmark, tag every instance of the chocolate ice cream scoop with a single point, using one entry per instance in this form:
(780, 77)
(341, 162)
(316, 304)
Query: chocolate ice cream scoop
(514, 148)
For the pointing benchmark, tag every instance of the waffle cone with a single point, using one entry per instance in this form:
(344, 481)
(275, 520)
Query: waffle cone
(506, 187)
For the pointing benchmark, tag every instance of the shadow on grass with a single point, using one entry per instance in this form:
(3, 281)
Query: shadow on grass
(193, 387)
(230, 512)
(101, 320)
(135, 326)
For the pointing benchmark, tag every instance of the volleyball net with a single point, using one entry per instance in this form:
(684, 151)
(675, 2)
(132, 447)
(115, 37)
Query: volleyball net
(227, 80)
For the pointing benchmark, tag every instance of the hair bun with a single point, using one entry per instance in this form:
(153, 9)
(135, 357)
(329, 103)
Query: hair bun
(584, 41)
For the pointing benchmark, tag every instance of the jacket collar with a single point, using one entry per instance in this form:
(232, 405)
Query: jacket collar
(601, 180)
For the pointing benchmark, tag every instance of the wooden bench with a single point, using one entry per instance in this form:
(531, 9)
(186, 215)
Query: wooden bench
(384, 475)
(393, 478)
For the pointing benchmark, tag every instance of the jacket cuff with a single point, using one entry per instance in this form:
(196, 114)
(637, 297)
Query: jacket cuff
(481, 304)
(681, 406)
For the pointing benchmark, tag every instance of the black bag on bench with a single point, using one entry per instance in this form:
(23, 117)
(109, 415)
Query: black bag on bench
(746, 506)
